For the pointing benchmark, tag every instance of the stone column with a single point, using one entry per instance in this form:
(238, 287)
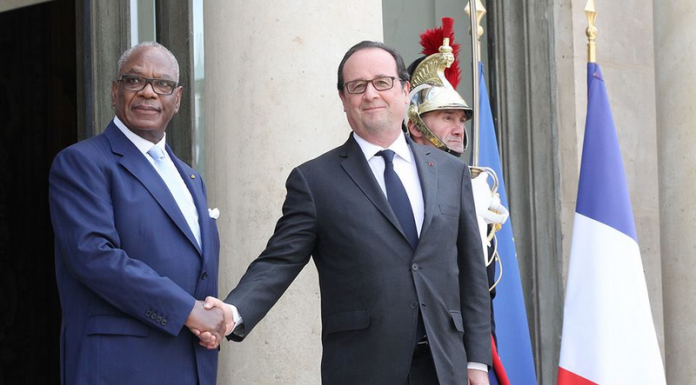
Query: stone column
(271, 103)
(676, 101)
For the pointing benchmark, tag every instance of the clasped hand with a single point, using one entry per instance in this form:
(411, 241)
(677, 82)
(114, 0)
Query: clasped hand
(210, 321)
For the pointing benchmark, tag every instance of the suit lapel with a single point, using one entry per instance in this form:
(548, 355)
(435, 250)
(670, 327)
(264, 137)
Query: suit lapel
(427, 173)
(359, 171)
(134, 161)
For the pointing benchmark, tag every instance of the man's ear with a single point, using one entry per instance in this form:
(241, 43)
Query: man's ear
(413, 130)
(114, 91)
(407, 89)
(343, 100)
(178, 93)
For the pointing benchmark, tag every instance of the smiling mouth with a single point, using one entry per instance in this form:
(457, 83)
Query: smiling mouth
(368, 109)
(147, 109)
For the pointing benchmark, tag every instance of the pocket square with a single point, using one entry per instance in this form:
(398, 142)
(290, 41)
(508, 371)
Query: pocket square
(214, 213)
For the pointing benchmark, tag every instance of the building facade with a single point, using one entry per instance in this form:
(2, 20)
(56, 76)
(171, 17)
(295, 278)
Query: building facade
(260, 98)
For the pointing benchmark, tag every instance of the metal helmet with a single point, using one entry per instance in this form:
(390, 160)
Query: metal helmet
(430, 88)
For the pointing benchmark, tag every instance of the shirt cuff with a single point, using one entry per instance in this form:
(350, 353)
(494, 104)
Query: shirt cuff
(477, 366)
(235, 316)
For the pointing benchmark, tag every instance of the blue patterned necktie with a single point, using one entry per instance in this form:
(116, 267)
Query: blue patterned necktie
(398, 199)
(176, 186)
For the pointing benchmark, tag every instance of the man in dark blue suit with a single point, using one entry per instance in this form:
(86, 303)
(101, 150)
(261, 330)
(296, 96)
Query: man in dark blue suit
(136, 247)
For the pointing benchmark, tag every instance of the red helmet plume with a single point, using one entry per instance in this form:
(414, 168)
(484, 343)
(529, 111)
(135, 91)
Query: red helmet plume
(431, 40)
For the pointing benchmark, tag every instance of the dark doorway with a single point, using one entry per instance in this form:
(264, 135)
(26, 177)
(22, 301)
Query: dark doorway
(37, 119)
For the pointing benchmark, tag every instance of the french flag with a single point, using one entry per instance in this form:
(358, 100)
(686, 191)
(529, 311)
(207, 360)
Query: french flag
(608, 332)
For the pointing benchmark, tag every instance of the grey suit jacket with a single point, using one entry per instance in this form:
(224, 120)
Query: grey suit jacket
(372, 282)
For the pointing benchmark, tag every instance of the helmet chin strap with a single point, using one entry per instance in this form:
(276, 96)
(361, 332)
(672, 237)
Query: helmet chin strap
(451, 151)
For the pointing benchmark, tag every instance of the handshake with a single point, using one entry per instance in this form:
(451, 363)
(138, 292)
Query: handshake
(210, 321)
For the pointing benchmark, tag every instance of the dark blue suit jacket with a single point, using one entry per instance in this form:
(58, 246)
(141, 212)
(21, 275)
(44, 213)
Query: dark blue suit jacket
(128, 267)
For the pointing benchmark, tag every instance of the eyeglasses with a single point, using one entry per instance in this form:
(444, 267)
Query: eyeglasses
(380, 84)
(138, 83)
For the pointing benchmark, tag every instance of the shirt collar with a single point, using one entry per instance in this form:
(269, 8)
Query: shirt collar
(142, 144)
(399, 146)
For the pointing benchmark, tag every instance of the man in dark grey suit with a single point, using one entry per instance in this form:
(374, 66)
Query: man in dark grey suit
(391, 226)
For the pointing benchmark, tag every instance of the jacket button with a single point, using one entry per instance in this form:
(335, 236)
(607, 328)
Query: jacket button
(414, 305)
(164, 322)
(153, 316)
(204, 275)
(159, 319)
(415, 267)
(148, 313)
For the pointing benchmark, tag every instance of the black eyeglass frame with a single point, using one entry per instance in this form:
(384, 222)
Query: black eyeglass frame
(147, 81)
(391, 78)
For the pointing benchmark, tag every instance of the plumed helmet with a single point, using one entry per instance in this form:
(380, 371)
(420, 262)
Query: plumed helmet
(431, 90)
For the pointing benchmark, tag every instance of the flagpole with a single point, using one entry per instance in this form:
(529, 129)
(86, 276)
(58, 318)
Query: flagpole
(475, 11)
(591, 31)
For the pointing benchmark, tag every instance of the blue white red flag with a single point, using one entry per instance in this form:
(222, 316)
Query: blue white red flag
(608, 332)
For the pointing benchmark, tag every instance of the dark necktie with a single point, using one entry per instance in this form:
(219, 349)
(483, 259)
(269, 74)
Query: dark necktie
(398, 199)
(401, 205)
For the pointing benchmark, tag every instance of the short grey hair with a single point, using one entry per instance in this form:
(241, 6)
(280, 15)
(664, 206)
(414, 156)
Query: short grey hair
(124, 57)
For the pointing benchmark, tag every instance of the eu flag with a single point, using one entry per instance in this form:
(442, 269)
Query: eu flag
(511, 327)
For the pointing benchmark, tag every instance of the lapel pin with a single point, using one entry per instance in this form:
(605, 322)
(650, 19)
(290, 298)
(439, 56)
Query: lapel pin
(193, 176)
(431, 164)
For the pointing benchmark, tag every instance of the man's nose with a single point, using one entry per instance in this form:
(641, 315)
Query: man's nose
(370, 91)
(149, 90)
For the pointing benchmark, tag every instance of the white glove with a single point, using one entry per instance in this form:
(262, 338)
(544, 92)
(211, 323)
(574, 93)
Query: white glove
(488, 205)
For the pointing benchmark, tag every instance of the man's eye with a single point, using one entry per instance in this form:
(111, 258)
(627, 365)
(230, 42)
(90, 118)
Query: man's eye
(133, 80)
(163, 83)
(358, 87)
(382, 83)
